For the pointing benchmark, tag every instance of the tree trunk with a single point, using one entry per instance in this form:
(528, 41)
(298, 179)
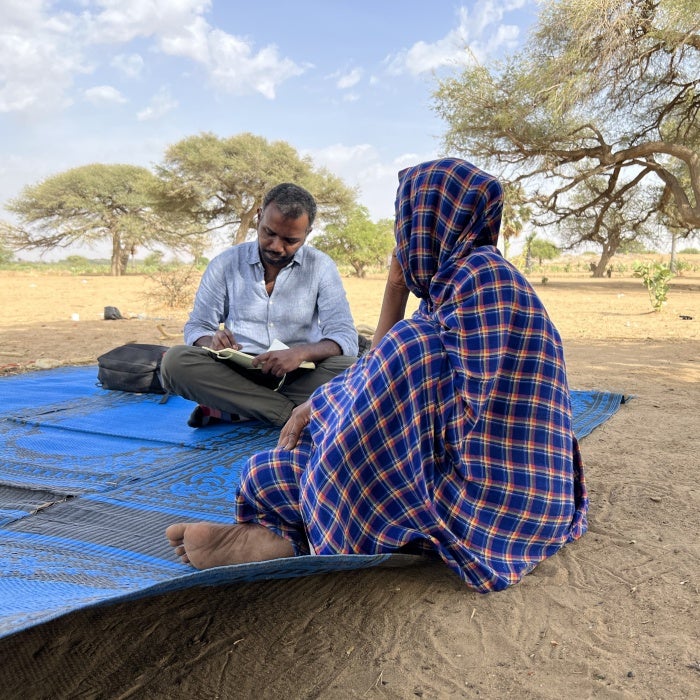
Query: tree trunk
(124, 255)
(115, 266)
(246, 223)
(672, 262)
(605, 258)
(359, 269)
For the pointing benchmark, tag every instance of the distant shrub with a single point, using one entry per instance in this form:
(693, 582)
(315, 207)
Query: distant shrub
(542, 249)
(80, 265)
(632, 247)
(681, 266)
(689, 251)
(153, 260)
(6, 255)
(175, 286)
(656, 278)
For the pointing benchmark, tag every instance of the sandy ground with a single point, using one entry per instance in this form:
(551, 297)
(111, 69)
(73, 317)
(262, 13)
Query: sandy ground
(613, 616)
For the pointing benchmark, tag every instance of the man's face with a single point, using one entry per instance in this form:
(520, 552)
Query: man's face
(279, 237)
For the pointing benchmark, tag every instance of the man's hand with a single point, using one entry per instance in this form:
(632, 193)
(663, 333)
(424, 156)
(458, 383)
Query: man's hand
(290, 433)
(279, 362)
(220, 340)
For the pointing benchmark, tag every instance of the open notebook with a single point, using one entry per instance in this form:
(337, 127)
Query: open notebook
(245, 360)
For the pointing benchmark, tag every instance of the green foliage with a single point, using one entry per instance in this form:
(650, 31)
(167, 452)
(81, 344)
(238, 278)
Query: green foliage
(72, 264)
(205, 184)
(6, 255)
(359, 242)
(94, 203)
(153, 260)
(219, 183)
(656, 278)
(689, 251)
(78, 264)
(543, 249)
(606, 89)
(633, 247)
(537, 248)
(76, 260)
(681, 266)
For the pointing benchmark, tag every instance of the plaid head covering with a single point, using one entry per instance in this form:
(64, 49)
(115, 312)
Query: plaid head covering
(443, 208)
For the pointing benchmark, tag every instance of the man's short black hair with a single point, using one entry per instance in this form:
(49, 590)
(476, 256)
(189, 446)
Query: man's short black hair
(292, 201)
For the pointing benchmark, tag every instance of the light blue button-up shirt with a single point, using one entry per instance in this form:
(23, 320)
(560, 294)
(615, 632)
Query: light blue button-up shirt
(307, 304)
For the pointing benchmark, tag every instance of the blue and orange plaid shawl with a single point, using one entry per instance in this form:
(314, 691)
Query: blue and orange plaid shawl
(454, 434)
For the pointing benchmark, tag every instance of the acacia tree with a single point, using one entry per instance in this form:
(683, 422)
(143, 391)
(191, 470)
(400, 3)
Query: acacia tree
(610, 222)
(541, 249)
(220, 182)
(606, 89)
(359, 242)
(90, 204)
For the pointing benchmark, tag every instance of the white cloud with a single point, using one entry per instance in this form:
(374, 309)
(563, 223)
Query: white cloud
(20, 14)
(180, 29)
(42, 48)
(474, 39)
(130, 65)
(120, 21)
(37, 58)
(361, 166)
(234, 67)
(161, 103)
(350, 79)
(104, 94)
(492, 12)
(190, 41)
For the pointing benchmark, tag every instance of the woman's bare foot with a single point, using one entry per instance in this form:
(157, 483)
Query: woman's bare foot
(205, 545)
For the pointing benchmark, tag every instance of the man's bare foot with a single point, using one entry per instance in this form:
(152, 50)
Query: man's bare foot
(205, 545)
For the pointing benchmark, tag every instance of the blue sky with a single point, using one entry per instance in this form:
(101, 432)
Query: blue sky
(348, 83)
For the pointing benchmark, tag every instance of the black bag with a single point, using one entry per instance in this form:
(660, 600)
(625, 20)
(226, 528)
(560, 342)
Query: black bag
(132, 367)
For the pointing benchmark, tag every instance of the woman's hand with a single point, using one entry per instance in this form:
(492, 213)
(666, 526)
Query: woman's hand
(291, 432)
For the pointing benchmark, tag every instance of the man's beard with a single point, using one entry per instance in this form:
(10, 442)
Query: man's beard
(275, 260)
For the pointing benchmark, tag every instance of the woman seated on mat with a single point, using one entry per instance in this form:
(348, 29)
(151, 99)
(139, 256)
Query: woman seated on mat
(451, 437)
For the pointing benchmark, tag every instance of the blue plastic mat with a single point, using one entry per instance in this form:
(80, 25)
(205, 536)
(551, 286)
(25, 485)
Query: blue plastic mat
(90, 479)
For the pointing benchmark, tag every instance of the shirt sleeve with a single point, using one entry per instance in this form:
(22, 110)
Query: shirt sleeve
(210, 304)
(334, 316)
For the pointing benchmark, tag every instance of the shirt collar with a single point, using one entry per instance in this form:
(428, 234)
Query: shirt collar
(254, 254)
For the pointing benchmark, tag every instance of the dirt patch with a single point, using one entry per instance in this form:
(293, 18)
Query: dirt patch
(612, 616)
